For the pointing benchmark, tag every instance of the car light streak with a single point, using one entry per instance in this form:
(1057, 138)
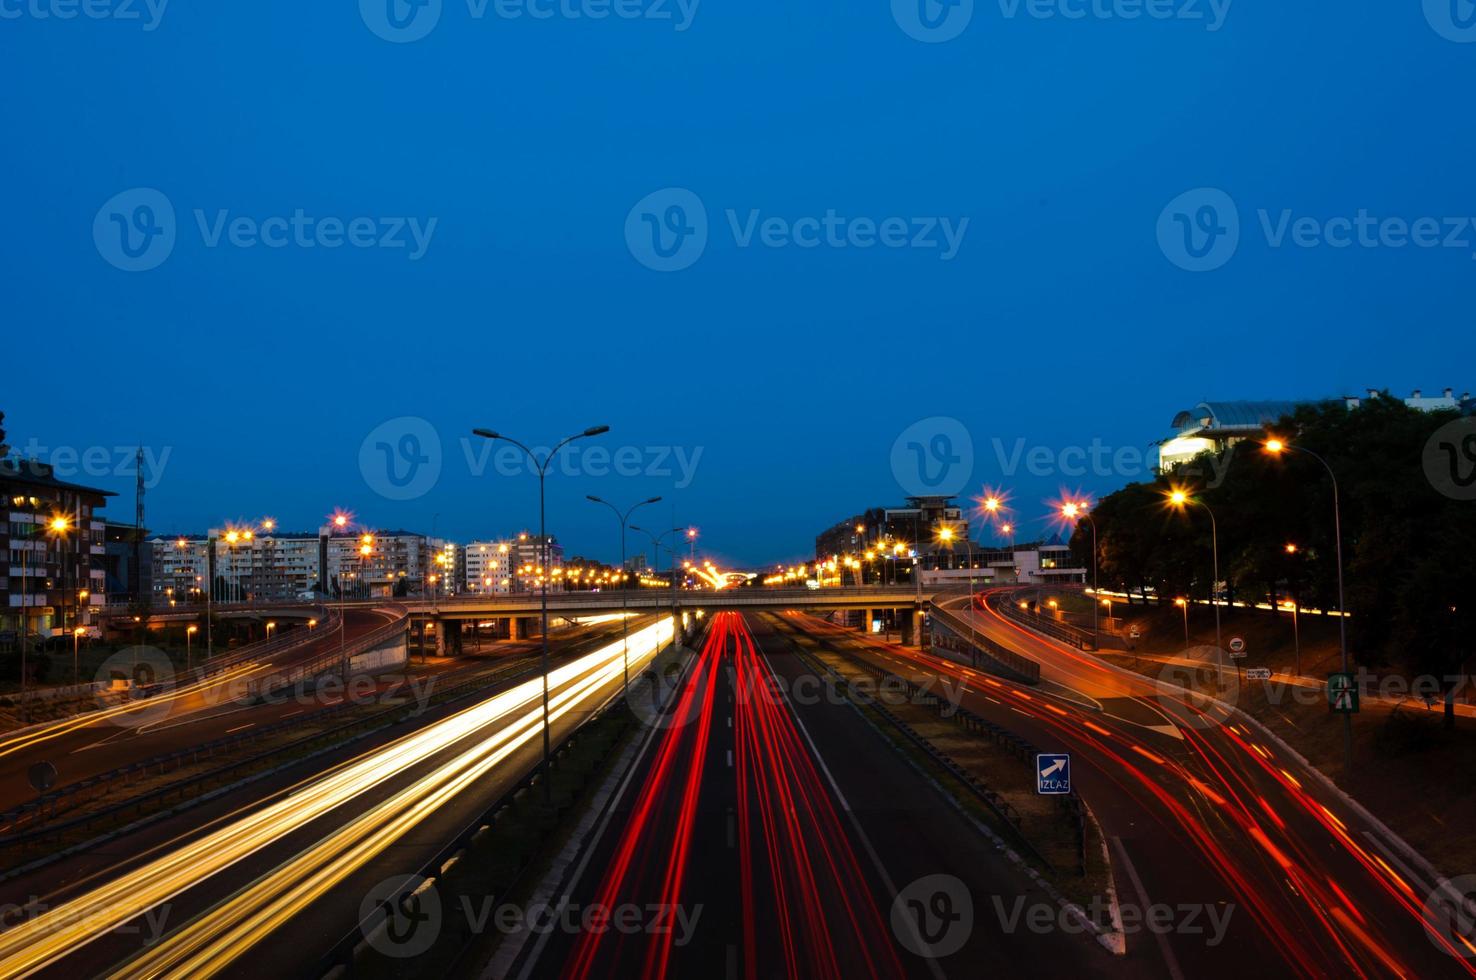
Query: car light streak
(45, 939)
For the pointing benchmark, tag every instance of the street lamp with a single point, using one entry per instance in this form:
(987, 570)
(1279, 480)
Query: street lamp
(624, 629)
(542, 467)
(1181, 500)
(1183, 604)
(1276, 447)
(1291, 606)
(946, 535)
(1073, 511)
(77, 632)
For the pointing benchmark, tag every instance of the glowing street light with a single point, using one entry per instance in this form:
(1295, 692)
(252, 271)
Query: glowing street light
(1181, 500)
(1276, 447)
(1183, 604)
(1072, 511)
(542, 467)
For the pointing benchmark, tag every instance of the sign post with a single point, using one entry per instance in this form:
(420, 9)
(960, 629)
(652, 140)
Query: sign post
(1342, 694)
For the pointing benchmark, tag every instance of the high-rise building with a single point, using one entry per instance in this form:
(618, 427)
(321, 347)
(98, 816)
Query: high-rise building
(53, 540)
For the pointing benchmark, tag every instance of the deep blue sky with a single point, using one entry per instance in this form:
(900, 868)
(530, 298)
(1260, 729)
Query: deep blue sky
(1060, 320)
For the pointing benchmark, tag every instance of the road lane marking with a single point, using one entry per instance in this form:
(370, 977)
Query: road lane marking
(1169, 961)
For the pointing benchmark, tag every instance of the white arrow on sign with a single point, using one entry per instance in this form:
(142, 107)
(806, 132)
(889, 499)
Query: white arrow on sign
(1054, 767)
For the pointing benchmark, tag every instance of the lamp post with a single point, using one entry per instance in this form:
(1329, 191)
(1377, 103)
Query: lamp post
(946, 535)
(1181, 500)
(542, 467)
(1276, 447)
(1074, 512)
(1296, 632)
(76, 638)
(1183, 604)
(624, 629)
(189, 647)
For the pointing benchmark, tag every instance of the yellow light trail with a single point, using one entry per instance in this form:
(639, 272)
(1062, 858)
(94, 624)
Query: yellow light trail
(24, 740)
(42, 941)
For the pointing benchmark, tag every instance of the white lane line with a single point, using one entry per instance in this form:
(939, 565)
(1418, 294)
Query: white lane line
(1169, 961)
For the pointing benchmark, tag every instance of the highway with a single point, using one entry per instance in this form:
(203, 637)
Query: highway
(102, 740)
(1201, 808)
(779, 835)
(295, 864)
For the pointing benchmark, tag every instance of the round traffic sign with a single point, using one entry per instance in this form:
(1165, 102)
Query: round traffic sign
(1237, 644)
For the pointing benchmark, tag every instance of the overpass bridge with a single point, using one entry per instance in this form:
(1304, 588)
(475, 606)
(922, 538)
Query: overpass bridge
(520, 610)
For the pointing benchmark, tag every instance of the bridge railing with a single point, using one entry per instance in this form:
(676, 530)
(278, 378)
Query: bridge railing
(332, 659)
(328, 623)
(1066, 633)
(956, 636)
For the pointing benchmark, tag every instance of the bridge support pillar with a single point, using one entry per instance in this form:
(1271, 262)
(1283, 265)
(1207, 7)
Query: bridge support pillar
(866, 617)
(907, 627)
(440, 637)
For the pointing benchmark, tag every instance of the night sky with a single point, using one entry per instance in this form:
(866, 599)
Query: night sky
(1062, 318)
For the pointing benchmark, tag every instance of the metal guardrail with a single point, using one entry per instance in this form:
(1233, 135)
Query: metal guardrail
(333, 659)
(1079, 638)
(1007, 662)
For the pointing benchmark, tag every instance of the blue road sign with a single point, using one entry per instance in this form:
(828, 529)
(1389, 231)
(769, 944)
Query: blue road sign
(1053, 774)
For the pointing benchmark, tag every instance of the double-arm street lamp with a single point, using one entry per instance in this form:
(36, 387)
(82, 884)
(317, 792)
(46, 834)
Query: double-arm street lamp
(624, 629)
(541, 465)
